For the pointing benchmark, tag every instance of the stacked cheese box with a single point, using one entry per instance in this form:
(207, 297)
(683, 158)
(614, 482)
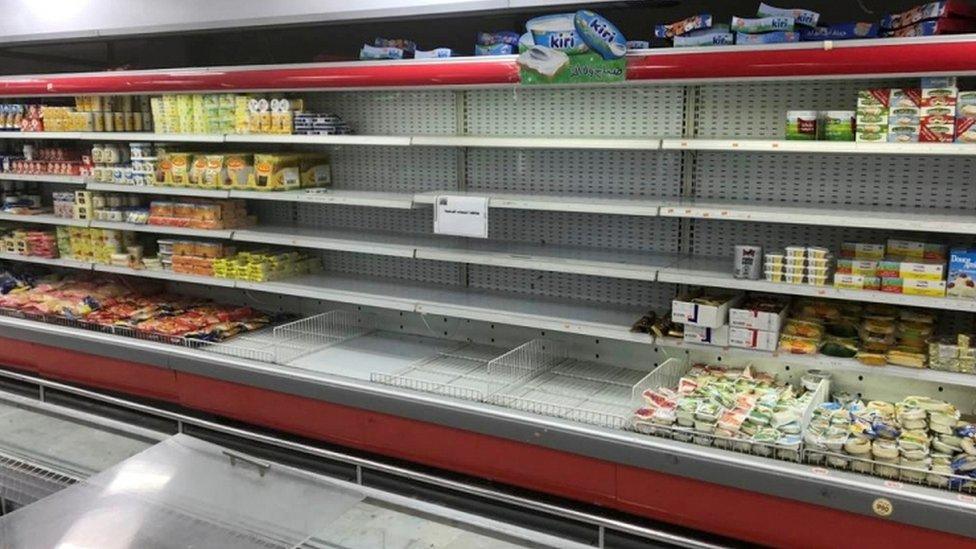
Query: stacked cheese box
(730, 320)
(927, 114)
(901, 266)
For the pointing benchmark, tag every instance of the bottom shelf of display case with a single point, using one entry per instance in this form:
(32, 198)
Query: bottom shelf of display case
(552, 448)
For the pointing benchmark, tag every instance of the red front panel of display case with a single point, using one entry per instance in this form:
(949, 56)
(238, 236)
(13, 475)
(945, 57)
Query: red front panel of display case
(864, 58)
(709, 507)
(18, 355)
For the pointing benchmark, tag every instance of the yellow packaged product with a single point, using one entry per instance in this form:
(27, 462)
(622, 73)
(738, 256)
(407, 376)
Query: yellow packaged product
(197, 170)
(315, 171)
(215, 174)
(240, 171)
(276, 172)
(178, 169)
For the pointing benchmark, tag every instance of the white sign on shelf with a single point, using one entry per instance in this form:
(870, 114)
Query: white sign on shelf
(461, 215)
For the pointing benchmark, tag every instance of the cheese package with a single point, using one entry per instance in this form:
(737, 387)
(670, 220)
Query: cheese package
(276, 172)
(862, 251)
(707, 336)
(747, 338)
(916, 269)
(315, 171)
(701, 309)
(240, 171)
(962, 273)
(917, 250)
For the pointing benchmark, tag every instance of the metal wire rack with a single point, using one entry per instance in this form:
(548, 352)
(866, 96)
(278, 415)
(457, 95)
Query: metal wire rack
(891, 471)
(251, 346)
(672, 370)
(545, 381)
(308, 335)
(460, 373)
(25, 482)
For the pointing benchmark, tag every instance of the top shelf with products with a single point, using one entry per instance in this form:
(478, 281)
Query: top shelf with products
(847, 59)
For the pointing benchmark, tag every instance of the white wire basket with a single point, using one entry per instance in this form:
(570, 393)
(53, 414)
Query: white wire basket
(249, 346)
(460, 373)
(538, 377)
(308, 335)
(669, 375)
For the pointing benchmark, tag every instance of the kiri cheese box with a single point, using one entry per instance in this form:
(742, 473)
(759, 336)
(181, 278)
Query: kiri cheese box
(962, 273)
(746, 338)
(707, 336)
(704, 310)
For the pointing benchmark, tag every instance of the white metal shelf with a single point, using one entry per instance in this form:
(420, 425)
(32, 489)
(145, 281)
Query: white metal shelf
(578, 203)
(44, 219)
(383, 140)
(824, 362)
(937, 221)
(39, 135)
(160, 229)
(56, 262)
(624, 264)
(548, 142)
(514, 309)
(43, 178)
(717, 273)
(376, 199)
(152, 136)
(388, 244)
(837, 147)
(159, 189)
(165, 275)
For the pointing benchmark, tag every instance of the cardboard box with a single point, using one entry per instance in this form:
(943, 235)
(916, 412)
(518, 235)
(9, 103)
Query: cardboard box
(962, 273)
(856, 282)
(861, 250)
(859, 267)
(683, 311)
(900, 98)
(909, 249)
(707, 336)
(912, 269)
(746, 338)
(740, 317)
(930, 288)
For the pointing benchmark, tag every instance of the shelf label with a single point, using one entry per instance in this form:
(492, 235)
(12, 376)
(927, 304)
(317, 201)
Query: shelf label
(461, 215)
(882, 507)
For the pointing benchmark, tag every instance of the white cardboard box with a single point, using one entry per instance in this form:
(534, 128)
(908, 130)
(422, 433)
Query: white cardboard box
(753, 339)
(757, 320)
(683, 311)
(707, 336)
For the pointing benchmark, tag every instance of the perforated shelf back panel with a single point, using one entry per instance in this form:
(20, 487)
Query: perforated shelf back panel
(394, 169)
(594, 289)
(391, 112)
(758, 109)
(883, 181)
(371, 219)
(417, 270)
(639, 174)
(586, 230)
(651, 111)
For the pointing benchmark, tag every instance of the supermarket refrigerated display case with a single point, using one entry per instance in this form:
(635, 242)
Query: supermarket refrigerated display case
(573, 261)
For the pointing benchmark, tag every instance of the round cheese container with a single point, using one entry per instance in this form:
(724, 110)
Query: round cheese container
(802, 125)
(838, 125)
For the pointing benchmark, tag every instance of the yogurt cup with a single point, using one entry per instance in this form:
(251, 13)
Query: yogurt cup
(817, 280)
(774, 275)
(816, 252)
(820, 263)
(795, 278)
(796, 251)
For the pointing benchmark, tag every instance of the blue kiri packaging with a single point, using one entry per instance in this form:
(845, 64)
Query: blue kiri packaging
(842, 31)
(777, 37)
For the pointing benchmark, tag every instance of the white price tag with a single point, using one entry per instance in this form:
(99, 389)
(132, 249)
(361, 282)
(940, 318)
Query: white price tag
(461, 215)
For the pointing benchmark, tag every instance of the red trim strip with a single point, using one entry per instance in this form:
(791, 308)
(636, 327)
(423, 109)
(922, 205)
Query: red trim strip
(864, 58)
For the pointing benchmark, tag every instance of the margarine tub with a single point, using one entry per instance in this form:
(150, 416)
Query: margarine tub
(838, 125)
(802, 125)
(557, 32)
